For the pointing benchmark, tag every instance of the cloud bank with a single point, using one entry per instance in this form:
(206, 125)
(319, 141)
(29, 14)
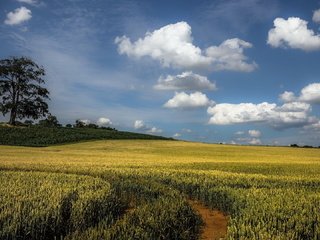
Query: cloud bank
(288, 115)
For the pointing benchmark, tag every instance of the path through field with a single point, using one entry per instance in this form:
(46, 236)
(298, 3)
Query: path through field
(215, 222)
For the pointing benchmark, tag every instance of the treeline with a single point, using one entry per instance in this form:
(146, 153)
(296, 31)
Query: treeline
(304, 146)
(52, 121)
(38, 136)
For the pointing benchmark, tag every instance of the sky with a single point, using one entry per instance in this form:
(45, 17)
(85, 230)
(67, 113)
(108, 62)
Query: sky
(232, 71)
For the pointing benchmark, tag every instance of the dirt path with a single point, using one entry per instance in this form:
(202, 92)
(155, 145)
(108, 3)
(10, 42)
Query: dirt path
(215, 221)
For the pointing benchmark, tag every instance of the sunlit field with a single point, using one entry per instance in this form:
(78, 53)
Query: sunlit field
(139, 189)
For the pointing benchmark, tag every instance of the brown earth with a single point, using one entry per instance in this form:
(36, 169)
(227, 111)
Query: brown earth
(215, 221)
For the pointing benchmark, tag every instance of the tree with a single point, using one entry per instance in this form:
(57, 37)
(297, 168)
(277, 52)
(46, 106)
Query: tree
(50, 121)
(79, 124)
(21, 93)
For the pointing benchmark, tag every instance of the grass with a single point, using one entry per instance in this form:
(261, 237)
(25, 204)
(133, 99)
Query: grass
(269, 192)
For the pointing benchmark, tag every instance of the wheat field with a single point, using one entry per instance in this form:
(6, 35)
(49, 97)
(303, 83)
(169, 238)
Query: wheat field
(139, 189)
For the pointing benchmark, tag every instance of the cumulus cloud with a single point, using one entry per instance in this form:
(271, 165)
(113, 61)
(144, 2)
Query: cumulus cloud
(141, 126)
(288, 115)
(192, 100)
(293, 33)
(316, 16)
(18, 16)
(229, 56)
(172, 45)
(309, 94)
(185, 81)
(287, 97)
(254, 133)
(104, 121)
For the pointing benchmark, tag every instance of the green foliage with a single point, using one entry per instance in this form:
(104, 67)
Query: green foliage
(44, 136)
(50, 121)
(21, 89)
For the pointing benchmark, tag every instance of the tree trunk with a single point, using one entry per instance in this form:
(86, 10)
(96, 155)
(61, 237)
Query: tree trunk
(13, 115)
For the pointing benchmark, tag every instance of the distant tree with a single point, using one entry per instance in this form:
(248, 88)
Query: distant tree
(294, 145)
(92, 125)
(307, 146)
(79, 124)
(69, 125)
(50, 121)
(21, 93)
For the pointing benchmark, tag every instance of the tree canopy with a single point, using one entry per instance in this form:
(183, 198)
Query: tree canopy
(21, 92)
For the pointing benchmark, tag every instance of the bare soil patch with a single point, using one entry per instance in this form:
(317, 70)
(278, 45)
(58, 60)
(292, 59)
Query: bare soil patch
(215, 221)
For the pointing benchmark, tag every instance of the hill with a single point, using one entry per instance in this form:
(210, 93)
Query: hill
(44, 136)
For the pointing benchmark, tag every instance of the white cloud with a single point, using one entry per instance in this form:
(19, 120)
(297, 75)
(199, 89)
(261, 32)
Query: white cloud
(141, 126)
(255, 141)
(176, 135)
(309, 94)
(287, 97)
(247, 140)
(172, 45)
(239, 133)
(104, 121)
(32, 2)
(229, 56)
(154, 130)
(254, 133)
(18, 16)
(288, 115)
(293, 33)
(185, 81)
(184, 100)
(314, 126)
(85, 121)
(316, 16)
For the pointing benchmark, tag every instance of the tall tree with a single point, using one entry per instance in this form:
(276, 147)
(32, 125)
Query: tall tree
(21, 91)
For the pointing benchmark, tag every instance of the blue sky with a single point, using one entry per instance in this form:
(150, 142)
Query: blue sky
(236, 71)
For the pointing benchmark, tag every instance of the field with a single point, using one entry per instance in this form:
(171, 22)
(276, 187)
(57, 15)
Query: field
(141, 189)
